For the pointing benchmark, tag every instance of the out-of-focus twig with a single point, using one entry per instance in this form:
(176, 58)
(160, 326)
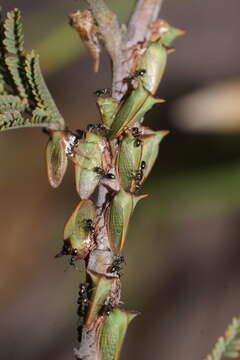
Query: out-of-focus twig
(111, 34)
(145, 12)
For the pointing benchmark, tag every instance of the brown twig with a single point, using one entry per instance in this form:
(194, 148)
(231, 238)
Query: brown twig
(145, 12)
(111, 34)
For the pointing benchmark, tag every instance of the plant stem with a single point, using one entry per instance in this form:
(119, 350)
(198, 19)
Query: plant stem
(145, 12)
(116, 45)
(111, 34)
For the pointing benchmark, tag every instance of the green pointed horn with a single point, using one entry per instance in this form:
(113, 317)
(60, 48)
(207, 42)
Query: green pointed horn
(151, 141)
(132, 110)
(112, 332)
(101, 288)
(120, 212)
(56, 158)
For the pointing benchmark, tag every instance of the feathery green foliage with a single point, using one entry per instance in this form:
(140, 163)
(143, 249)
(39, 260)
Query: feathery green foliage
(25, 100)
(227, 346)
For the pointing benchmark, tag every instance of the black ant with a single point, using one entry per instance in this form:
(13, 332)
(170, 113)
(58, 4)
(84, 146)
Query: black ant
(137, 142)
(138, 187)
(73, 253)
(80, 133)
(136, 134)
(116, 264)
(67, 250)
(103, 92)
(136, 75)
(90, 226)
(91, 127)
(106, 309)
(83, 303)
(82, 299)
(103, 173)
(139, 174)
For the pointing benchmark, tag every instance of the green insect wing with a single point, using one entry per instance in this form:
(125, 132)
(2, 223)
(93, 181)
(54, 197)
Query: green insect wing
(151, 140)
(87, 157)
(112, 333)
(107, 108)
(133, 109)
(101, 289)
(154, 62)
(56, 158)
(76, 232)
(120, 212)
(128, 161)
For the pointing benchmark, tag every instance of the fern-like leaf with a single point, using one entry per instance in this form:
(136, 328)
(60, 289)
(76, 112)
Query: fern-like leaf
(13, 31)
(25, 100)
(227, 346)
(11, 102)
(42, 117)
(14, 50)
(2, 85)
(14, 66)
(11, 119)
(39, 88)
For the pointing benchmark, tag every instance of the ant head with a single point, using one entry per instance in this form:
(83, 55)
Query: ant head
(137, 142)
(110, 176)
(142, 72)
(98, 170)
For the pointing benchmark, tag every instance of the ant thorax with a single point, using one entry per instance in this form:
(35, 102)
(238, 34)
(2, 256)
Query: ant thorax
(106, 92)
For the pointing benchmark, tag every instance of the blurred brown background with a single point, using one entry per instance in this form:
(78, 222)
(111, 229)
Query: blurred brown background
(183, 250)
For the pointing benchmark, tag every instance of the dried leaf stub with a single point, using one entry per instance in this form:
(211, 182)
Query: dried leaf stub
(77, 233)
(128, 161)
(56, 158)
(121, 209)
(165, 32)
(133, 109)
(88, 157)
(84, 23)
(101, 288)
(112, 332)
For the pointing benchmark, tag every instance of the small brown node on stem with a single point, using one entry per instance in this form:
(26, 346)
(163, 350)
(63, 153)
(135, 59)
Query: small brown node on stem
(84, 23)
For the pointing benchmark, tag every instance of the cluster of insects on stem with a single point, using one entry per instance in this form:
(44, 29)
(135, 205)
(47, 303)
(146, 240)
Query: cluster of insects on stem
(117, 153)
(112, 158)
